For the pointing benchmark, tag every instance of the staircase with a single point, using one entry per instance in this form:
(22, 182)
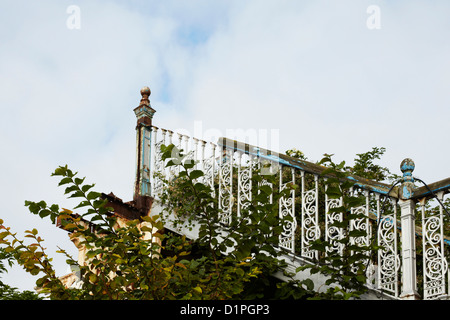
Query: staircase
(395, 216)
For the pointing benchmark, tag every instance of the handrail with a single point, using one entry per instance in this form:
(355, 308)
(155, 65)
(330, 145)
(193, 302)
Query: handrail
(435, 187)
(363, 183)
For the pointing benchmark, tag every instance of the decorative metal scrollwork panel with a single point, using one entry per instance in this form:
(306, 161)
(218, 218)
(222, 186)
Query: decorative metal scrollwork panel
(388, 258)
(265, 167)
(310, 223)
(209, 172)
(158, 164)
(244, 185)
(287, 210)
(333, 233)
(361, 224)
(435, 264)
(225, 185)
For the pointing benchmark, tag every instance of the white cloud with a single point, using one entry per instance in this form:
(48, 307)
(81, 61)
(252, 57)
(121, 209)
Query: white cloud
(315, 69)
(310, 69)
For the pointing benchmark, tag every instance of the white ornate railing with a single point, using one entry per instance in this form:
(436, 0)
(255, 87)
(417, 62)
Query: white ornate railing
(389, 212)
(435, 266)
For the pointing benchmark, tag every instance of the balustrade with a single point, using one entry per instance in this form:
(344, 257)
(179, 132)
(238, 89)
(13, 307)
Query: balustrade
(228, 167)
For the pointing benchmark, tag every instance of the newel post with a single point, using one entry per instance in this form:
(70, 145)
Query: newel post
(144, 114)
(408, 217)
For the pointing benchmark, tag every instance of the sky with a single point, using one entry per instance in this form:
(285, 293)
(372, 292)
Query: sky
(336, 77)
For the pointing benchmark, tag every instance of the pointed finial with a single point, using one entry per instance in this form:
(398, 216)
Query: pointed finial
(145, 93)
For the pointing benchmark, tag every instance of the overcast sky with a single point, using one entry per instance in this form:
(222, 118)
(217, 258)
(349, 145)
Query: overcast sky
(335, 77)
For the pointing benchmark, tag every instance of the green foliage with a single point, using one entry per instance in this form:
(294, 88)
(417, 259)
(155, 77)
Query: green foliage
(365, 167)
(124, 262)
(241, 253)
(296, 154)
(139, 259)
(5, 257)
(11, 293)
(6, 291)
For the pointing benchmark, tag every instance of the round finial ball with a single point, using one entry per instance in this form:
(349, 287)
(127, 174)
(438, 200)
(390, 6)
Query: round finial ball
(145, 91)
(407, 165)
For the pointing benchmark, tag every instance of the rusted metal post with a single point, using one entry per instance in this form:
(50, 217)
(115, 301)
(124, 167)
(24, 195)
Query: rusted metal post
(408, 217)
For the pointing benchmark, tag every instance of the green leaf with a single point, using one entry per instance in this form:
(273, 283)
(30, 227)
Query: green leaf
(361, 278)
(86, 187)
(333, 192)
(70, 189)
(266, 189)
(4, 234)
(143, 285)
(196, 174)
(93, 195)
(70, 226)
(77, 194)
(44, 213)
(42, 204)
(198, 290)
(189, 164)
(92, 278)
(79, 181)
(171, 163)
(65, 181)
(60, 171)
(309, 284)
(82, 204)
